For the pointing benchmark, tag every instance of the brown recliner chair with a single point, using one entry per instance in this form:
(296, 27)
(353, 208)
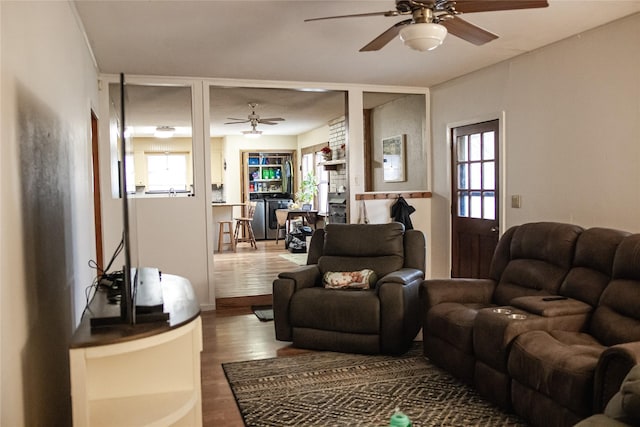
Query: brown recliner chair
(384, 319)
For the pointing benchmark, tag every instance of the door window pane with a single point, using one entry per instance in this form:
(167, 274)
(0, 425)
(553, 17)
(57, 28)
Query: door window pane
(475, 205)
(489, 202)
(463, 204)
(463, 182)
(462, 148)
(488, 145)
(489, 176)
(476, 175)
(475, 147)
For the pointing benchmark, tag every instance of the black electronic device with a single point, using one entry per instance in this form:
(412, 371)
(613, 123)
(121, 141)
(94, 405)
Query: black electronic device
(556, 298)
(129, 287)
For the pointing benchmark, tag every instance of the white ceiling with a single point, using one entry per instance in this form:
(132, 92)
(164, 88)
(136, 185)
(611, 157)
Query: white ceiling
(268, 40)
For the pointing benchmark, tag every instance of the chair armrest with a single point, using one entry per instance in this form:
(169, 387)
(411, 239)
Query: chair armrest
(552, 308)
(400, 318)
(403, 276)
(614, 364)
(305, 276)
(284, 287)
(465, 291)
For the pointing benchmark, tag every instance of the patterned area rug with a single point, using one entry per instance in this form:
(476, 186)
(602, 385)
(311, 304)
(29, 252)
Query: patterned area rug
(335, 389)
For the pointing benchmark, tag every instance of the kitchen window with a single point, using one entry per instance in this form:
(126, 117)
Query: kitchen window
(167, 172)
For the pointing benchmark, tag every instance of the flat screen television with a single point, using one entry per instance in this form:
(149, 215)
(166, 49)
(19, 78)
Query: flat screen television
(140, 291)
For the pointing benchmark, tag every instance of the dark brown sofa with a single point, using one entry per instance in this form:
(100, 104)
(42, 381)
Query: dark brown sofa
(623, 410)
(384, 319)
(554, 370)
(464, 334)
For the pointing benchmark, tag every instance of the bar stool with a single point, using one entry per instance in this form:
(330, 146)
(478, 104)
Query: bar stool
(244, 230)
(226, 229)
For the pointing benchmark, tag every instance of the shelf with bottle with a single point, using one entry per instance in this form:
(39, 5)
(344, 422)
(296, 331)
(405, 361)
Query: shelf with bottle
(271, 173)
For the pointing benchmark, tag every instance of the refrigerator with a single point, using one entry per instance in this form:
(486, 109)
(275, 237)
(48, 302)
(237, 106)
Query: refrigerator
(259, 220)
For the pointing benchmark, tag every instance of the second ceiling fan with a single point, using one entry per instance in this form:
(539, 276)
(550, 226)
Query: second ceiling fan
(431, 20)
(254, 119)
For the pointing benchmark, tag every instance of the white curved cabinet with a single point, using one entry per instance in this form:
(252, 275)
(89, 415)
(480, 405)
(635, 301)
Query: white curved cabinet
(148, 376)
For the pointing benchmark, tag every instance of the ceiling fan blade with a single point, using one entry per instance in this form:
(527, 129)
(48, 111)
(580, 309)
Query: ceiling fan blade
(268, 123)
(272, 119)
(471, 6)
(468, 31)
(357, 15)
(238, 122)
(384, 38)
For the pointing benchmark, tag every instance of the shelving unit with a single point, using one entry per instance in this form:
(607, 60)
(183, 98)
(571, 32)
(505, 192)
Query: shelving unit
(332, 165)
(265, 172)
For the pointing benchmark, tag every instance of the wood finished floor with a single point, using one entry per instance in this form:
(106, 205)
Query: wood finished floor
(232, 332)
(232, 335)
(249, 272)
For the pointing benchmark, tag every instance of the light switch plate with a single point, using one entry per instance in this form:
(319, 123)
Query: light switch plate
(516, 201)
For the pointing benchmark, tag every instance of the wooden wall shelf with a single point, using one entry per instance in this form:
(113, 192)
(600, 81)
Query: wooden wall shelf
(394, 195)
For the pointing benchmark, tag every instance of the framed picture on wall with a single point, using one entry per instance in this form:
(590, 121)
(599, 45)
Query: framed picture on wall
(393, 158)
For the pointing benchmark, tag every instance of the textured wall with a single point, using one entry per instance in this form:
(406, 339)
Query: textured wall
(403, 116)
(49, 85)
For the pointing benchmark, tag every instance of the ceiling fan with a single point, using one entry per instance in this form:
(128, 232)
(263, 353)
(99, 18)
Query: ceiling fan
(254, 118)
(432, 19)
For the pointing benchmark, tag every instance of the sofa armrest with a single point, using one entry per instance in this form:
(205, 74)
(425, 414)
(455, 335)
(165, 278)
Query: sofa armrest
(614, 364)
(465, 291)
(403, 276)
(544, 306)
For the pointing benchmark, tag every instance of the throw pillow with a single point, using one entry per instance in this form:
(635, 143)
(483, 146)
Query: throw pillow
(363, 279)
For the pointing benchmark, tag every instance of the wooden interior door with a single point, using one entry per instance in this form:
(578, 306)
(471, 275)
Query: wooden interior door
(475, 195)
(97, 204)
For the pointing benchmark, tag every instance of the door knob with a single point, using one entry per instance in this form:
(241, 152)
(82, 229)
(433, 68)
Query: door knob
(494, 229)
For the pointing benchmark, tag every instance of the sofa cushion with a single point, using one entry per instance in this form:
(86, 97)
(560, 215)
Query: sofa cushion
(352, 247)
(367, 240)
(540, 255)
(616, 320)
(330, 310)
(557, 364)
(592, 266)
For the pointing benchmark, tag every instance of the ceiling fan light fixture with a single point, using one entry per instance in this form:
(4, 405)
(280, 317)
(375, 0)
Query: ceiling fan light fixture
(164, 132)
(423, 36)
(252, 133)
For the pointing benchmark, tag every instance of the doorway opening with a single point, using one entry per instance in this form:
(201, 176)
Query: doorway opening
(259, 140)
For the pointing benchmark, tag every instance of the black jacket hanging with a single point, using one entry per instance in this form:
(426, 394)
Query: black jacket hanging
(400, 212)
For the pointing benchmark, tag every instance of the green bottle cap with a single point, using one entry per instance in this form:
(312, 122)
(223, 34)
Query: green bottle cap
(399, 420)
